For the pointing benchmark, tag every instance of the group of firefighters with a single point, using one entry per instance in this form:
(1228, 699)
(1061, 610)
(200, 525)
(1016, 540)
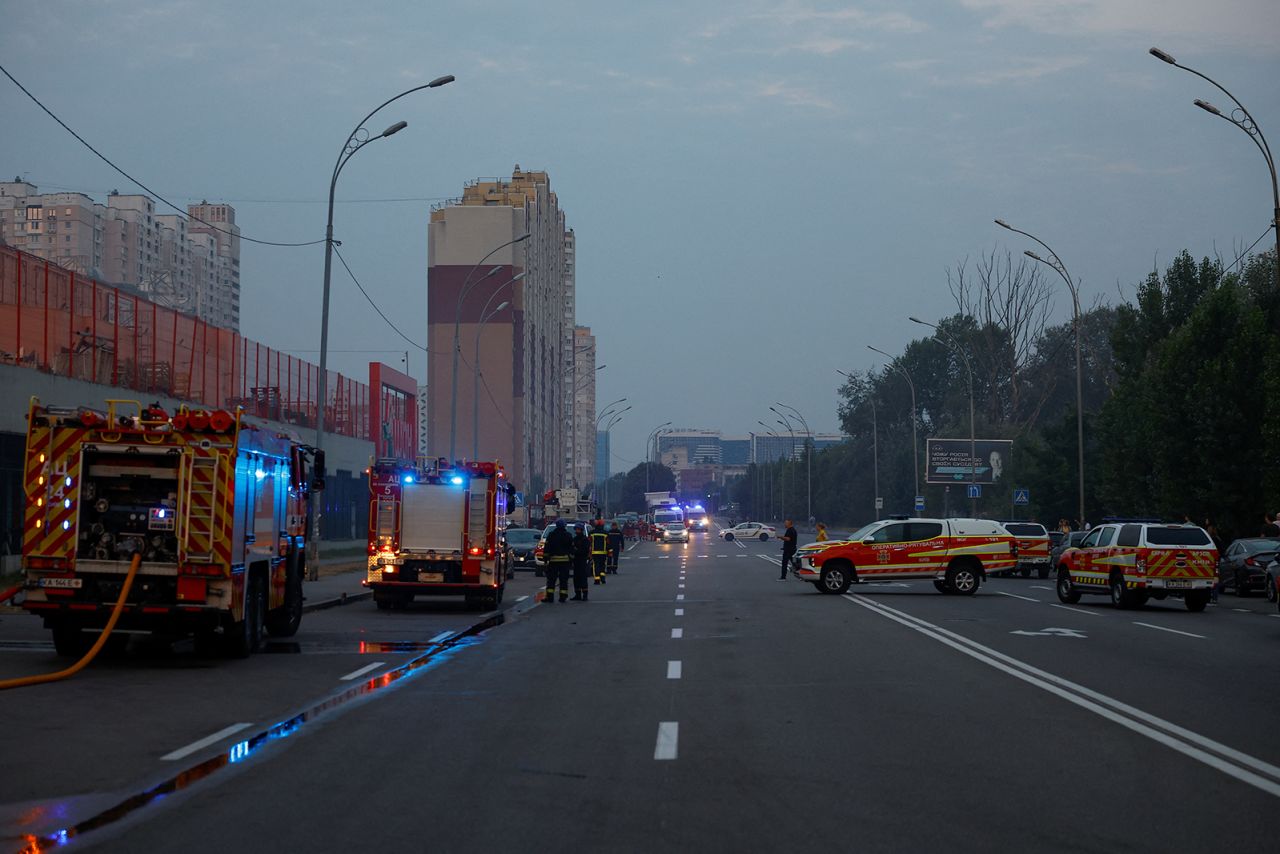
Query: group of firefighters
(593, 554)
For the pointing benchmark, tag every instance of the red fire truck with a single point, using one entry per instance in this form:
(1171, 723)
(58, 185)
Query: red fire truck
(215, 507)
(435, 530)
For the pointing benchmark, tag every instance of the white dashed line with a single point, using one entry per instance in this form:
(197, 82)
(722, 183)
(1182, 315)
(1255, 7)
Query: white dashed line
(1038, 587)
(668, 740)
(1077, 610)
(1242, 610)
(679, 597)
(1016, 596)
(440, 637)
(234, 728)
(521, 599)
(1163, 629)
(676, 634)
(362, 671)
(673, 670)
(681, 586)
(679, 612)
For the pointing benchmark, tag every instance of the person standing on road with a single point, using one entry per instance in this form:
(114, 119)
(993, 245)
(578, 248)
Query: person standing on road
(599, 553)
(616, 544)
(581, 558)
(820, 533)
(789, 538)
(559, 554)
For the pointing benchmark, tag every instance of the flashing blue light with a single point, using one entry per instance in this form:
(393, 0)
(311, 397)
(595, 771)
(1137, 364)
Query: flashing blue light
(456, 480)
(408, 478)
(160, 513)
(259, 474)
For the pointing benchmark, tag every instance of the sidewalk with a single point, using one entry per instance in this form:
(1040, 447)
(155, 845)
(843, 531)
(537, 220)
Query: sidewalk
(342, 568)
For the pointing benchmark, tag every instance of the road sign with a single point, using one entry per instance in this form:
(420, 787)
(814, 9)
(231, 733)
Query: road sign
(879, 503)
(919, 503)
(1022, 496)
(975, 490)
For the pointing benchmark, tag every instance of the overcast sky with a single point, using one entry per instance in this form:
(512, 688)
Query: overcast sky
(759, 189)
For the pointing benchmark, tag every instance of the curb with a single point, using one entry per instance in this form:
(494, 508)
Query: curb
(344, 599)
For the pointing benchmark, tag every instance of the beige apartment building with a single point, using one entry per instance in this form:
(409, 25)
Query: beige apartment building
(582, 457)
(514, 361)
(178, 263)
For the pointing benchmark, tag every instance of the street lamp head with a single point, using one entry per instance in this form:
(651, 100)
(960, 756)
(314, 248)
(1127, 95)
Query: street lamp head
(918, 320)
(1032, 255)
(495, 271)
(601, 368)
(395, 128)
(1162, 56)
(440, 81)
(522, 237)
(501, 306)
(519, 276)
(1003, 224)
(1207, 107)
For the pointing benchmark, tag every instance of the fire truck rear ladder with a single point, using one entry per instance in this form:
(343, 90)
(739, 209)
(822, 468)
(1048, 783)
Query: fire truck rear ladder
(197, 507)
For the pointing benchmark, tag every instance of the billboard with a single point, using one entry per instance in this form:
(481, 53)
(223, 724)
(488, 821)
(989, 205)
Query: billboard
(948, 460)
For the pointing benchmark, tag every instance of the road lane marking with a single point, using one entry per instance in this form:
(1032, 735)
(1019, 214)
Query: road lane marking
(679, 597)
(668, 740)
(679, 612)
(1175, 631)
(1242, 610)
(362, 671)
(440, 637)
(673, 669)
(1077, 610)
(1016, 596)
(676, 634)
(1039, 587)
(521, 599)
(204, 742)
(1247, 769)
(681, 586)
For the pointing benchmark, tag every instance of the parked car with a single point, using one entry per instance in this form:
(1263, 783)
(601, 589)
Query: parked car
(748, 531)
(1133, 561)
(520, 544)
(1069, 541)
(1243, 564)
(1272, 571)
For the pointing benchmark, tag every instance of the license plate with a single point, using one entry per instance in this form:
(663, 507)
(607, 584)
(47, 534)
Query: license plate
(64, 583)
(1177, 585)
(431, 577)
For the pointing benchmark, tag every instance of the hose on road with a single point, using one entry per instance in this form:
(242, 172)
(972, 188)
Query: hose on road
(89, 656)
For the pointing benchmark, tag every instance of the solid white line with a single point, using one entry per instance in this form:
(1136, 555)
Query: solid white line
(362, 671)
(1242, 610)
(521, 599)
(1173, 736)
(679, 597)
(668, 740)
(440, 637)
(204, 742)
(1016, 596)
(673, 669)
(1163, 629)
(676, 634)
(1077, 610)
(679, 612)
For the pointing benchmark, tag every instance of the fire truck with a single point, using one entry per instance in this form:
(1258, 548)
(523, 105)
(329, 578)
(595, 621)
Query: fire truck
(216, 508)
(435, 530)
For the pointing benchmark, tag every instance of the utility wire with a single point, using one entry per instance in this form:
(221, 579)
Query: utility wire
(223, 200)
(152, 192)
(380, 312)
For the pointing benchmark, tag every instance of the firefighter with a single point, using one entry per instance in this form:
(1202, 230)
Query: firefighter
(599, 553)
(581, 560)
(616, 544)
(559, 554)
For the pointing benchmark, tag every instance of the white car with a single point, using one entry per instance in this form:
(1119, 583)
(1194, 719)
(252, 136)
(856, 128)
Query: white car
(748, 531)
(674, 532)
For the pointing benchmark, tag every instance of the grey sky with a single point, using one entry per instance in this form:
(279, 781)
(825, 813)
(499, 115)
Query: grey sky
(759, 189)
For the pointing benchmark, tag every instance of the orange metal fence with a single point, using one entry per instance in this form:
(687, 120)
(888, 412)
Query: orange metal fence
(60, 322)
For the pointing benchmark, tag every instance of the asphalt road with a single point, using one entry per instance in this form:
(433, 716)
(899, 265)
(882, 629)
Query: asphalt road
(695, 703)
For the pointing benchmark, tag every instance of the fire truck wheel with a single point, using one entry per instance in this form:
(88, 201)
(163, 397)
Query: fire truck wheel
(1066, 593)
(1196, 600)
(383, 601)
(70, 642)
(1043, 572)
(962, 578)
(1024, 571)
(242, 639)
(835, 578)
(283, 622)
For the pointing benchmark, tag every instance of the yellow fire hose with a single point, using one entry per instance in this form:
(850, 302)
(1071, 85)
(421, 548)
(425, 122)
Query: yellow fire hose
(93, 650)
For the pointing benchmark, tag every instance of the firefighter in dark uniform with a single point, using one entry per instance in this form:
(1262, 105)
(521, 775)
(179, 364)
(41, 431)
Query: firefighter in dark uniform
(617, 543)
(599, 552)
(559, 554)
(581, 562)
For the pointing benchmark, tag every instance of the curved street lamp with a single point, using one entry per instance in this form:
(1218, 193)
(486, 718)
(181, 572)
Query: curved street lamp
(973, 442)
(875, 446)
(811, 446)
(915, 442)
(652, 441)
(769, 477)
(485, 317)
(1247, 124)
(1054, 262)
(617, 416)
(355, 142)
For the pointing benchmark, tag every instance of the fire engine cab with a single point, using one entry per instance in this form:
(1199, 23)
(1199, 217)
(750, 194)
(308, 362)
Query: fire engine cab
(956, 553)
(1136, 560)
(215, 507)
(435, 530)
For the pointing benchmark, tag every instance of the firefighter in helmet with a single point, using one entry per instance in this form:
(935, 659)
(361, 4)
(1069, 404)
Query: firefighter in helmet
(616, 544)
(559, 554)
(581, 562)
(599, 552)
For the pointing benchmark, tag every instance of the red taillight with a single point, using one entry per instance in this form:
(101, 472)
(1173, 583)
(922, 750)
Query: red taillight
(1251, 562)
(475, 550)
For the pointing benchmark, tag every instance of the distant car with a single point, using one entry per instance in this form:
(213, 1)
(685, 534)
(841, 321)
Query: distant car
(748, 531)
(521, 544)
(1069, 541)
(673, 532)
(1273, 581)
(1243, 565)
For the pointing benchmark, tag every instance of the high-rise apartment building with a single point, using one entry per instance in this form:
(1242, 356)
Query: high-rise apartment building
(514, 365)
(422, 420)
(180, 264)
(582, 462)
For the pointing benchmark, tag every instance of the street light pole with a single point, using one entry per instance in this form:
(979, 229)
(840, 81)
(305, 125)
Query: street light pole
(614, 420)
(1054, 262)
(785, 423)
(1249, 126)
(973, 442)
(467, 285)
(915, 443)
(653, 439)
(349, 149)
(808, 458)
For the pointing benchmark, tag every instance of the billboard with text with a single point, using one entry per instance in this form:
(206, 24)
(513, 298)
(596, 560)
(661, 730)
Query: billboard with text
(950, 460)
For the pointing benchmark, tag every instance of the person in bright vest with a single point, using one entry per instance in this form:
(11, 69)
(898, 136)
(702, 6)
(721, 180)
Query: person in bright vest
(599, 552)
(559, 555)
(820, 535)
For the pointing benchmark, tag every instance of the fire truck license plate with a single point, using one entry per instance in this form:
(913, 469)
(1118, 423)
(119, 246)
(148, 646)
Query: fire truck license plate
(1177, 585)
(431, 577)
(66, 583)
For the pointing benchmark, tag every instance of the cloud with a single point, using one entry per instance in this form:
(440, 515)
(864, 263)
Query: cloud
(853, 18)
(796, 96)
(1017, 70)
